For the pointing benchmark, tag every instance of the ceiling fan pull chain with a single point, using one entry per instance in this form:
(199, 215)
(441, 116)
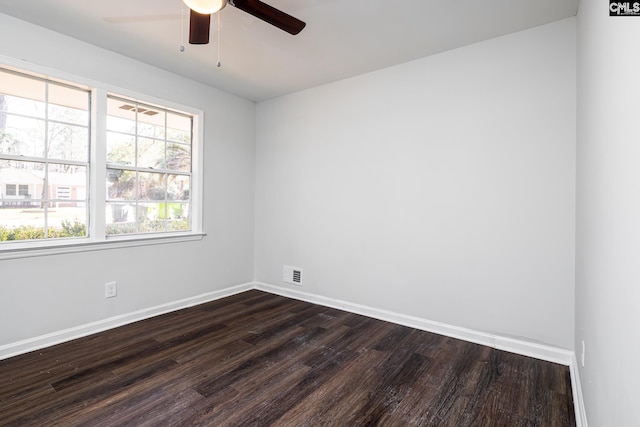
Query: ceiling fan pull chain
(219, 64)
(182, 29)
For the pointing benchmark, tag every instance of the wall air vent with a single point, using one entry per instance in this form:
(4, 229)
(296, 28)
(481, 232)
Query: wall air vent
(292, 275)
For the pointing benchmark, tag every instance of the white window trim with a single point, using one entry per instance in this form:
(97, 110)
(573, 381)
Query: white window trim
(98, 240)
(75, 245)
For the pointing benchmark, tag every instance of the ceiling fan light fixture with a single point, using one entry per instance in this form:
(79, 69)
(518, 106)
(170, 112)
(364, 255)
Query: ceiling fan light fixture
(205, 7)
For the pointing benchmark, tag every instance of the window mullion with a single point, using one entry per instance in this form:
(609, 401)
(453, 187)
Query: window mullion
(46, 187)
(196, 200)
(98, 171)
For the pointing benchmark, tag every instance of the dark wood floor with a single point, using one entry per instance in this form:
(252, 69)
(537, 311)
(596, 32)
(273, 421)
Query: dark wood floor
(260, 359)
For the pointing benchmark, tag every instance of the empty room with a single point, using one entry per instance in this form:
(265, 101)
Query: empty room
(303, 213)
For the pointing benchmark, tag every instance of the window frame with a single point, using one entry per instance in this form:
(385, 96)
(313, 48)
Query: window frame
(98, 239)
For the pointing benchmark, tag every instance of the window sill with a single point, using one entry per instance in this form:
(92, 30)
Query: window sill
(75, 246)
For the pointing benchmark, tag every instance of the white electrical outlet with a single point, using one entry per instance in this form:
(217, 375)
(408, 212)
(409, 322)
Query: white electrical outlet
(110, 289)
(292, 275)
(582, 355)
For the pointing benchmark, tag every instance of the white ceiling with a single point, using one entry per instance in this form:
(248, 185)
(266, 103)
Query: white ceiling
(343, 38)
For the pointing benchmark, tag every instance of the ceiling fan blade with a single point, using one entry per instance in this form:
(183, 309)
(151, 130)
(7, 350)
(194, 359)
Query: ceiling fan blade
(270, 14)
(199, 26)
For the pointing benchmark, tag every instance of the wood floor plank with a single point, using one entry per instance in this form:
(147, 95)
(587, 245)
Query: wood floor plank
(260, 359)
(339, 399)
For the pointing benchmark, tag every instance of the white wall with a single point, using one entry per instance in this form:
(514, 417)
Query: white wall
(47, 294)
(442, 188)
(608, 215)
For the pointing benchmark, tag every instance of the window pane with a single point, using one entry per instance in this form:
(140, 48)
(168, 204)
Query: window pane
(21, 224)
(151, 217)
(120, 149)
(121, 184)
(178, 187)
(67, 142)
(21, 106)
(178, 216)
(67, 184)
(150, 153)
(67, 220)
(178, 128)
(22, 136)
(152, 186)
(16, 175)
(179, 225)
(120, 218)
(121, 116)
(151, 123)
(120, 228)
(68, 105)
(178, 157)
(21, 95)
(120, 124)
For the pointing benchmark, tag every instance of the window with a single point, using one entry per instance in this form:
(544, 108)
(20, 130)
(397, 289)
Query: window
(10, 189)
(44, 143)
(148, 168)
(64, 180)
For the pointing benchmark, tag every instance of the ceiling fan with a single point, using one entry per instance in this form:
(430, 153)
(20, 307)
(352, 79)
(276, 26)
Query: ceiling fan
(201, 10)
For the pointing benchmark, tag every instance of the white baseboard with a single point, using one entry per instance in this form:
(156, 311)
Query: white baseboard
(37, 343)
(525, 348)
(578, 399)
